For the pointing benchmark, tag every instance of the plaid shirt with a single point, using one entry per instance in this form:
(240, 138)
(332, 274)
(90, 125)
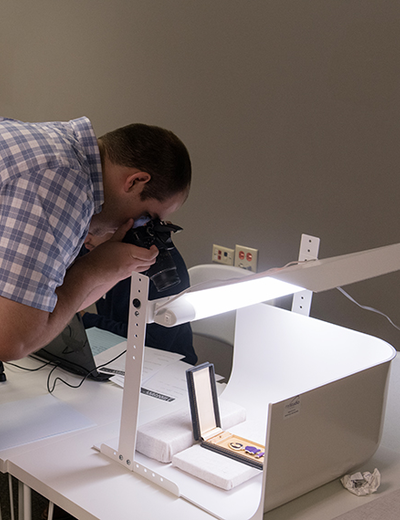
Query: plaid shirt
(50, 186)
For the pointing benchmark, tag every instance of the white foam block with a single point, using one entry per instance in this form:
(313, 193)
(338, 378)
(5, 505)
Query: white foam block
(162, 438)
(213, 467)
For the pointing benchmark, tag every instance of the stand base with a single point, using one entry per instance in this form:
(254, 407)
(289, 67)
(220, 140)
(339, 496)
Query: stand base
(141, 469)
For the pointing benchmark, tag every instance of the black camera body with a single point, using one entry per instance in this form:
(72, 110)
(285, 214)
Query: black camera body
(163, 273)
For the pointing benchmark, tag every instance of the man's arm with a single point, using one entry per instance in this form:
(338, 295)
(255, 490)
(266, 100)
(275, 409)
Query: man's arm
(26, 329)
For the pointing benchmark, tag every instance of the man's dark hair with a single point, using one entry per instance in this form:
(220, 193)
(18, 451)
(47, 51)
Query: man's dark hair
(154, 150)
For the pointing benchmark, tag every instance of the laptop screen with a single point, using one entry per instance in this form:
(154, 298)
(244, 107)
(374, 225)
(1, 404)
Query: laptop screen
(71, 351)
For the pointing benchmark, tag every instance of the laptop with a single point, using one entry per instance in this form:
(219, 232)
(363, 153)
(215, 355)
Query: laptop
(71, 351)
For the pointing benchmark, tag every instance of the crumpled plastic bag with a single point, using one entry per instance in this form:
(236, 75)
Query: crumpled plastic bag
(362, 484)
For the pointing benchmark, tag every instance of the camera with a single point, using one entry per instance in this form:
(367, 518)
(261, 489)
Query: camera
(163, 273)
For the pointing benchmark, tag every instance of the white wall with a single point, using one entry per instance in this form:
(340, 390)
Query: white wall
(290, 109)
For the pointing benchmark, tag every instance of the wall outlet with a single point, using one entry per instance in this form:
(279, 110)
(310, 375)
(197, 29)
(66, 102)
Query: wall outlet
(246, 258)
(222, 255)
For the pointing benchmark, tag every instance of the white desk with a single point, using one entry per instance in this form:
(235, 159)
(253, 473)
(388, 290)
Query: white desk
(67, 471)
(88, 485)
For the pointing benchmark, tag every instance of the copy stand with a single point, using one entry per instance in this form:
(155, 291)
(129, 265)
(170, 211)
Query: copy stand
(316, 391)
(125, 453)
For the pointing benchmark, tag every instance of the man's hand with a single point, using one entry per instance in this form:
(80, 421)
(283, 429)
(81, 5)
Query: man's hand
(113, 261)
(117, 259)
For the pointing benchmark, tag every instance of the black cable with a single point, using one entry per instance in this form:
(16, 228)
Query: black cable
(51, 389)
(58, 365)
(29, 369)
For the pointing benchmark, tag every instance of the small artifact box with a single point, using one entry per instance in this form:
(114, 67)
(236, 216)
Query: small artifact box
(206, 420)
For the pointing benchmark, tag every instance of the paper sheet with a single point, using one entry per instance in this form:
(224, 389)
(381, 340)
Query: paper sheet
(157, 382)
(167, 385)
(154, 361)
(163, 377)
(115, 367)
(37, 418)
(101, 340)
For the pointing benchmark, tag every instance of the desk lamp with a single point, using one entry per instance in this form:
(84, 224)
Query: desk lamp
(218, 297)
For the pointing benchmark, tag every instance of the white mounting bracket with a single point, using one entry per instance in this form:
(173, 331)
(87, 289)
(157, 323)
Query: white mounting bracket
(309, 248)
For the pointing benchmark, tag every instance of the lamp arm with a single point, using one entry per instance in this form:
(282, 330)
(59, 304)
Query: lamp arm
(213, 298)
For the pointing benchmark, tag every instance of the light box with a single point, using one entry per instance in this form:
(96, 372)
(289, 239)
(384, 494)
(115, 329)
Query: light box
(333, 381)
(314, 395)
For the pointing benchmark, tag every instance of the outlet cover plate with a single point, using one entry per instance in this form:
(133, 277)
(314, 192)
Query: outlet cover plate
(246, 258)
(222, 255)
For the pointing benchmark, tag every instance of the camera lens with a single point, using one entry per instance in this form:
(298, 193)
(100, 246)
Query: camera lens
(164, 273)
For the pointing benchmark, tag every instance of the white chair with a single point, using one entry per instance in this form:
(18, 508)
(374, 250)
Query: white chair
(213, 337)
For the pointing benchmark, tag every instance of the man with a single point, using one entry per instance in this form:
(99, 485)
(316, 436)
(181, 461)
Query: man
(57, 183)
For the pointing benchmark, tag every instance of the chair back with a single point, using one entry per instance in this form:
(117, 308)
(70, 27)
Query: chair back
(221, 327)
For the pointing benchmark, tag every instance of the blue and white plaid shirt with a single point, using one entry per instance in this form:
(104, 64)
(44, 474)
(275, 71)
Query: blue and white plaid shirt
(50, 186)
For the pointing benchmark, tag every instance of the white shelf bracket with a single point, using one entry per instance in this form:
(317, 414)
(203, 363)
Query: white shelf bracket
(309, 248)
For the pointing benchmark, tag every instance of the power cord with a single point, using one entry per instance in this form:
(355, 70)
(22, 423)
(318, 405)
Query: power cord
(51, 388)
(29, 369)
(366, 308)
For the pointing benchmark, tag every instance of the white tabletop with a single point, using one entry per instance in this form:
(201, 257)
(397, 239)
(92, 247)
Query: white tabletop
(70, 473)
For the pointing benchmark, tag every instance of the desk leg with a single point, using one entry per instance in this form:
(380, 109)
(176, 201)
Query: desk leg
(51, 510)
(10, 488)
(24, 502)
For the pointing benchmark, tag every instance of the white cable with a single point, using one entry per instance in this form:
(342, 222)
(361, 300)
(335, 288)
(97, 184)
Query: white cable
(367, 308)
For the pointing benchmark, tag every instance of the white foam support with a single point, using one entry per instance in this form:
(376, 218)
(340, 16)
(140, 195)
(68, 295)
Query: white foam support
(214, 468)
(164, 437)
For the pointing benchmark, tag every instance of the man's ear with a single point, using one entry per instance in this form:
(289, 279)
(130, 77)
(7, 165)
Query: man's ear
(136, 180)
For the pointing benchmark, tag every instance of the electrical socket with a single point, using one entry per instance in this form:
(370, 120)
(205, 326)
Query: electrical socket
(246, 258)
(222, 255)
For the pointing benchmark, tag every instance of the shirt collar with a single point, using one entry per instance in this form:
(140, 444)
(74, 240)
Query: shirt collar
(87, 138)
